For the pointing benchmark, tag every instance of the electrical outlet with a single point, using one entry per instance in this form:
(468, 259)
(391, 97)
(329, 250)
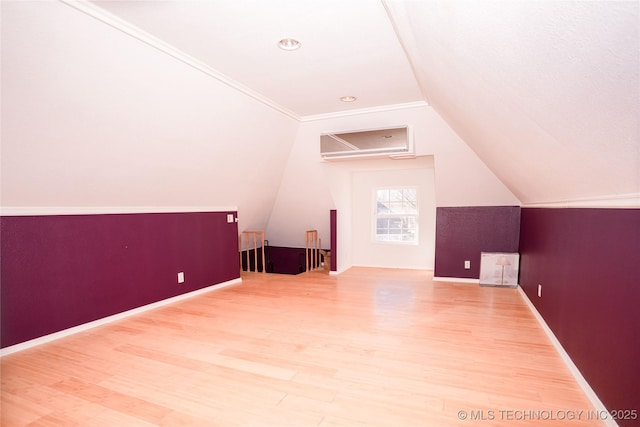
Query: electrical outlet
(230, 218)
(467, 265)
(539, 290)
(181, 277)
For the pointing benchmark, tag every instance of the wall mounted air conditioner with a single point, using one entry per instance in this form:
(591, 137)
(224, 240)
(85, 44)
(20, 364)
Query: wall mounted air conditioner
(396, 142)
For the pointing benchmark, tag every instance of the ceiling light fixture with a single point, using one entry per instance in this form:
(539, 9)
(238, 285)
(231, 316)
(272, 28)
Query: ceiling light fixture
(348, 98)
(289, 44)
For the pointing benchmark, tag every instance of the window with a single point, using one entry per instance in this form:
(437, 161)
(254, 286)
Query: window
(396, 215)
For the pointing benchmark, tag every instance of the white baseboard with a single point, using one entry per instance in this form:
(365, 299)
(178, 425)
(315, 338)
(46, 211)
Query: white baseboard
(456, 280)
(86, 326)
(582, 382)
(394, 267)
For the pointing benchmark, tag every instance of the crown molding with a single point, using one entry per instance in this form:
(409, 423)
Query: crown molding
(137, 33)
(627, 201)
(369, 110)
(117, 23)
(393, 19)
(102, 210)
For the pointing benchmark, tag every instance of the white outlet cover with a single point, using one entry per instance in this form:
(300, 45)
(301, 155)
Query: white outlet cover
(230, 218)
(181, 277)
(467, 265)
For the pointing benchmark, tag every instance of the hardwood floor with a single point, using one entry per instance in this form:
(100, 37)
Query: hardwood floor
(369, 347)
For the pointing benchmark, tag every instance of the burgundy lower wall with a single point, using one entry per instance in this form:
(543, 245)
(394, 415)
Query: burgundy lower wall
(462, 233)
(62, 271)
(588, 263)
(333, 226)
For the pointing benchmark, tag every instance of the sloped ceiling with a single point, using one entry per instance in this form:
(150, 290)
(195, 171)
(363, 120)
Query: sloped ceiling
(347, 48)
(546, 93)
(93, 120)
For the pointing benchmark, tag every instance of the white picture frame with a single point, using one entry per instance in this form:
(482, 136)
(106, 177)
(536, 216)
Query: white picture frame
(499, 269)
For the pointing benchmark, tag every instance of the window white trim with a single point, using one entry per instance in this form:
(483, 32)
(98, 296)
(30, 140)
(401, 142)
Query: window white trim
(407, 213)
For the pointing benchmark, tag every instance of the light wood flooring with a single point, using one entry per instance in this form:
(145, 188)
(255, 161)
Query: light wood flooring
(369, 347)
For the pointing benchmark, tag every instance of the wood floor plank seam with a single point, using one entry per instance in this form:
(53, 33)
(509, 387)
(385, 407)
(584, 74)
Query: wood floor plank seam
(368, 347)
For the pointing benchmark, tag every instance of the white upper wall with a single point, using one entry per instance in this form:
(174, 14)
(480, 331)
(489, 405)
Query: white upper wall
(532, 102)
(94, 118)
(369, 252)
(311, 187)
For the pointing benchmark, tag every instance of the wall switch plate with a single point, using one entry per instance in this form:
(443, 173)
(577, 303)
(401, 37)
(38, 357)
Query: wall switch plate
(467, 265)
(539, 290)
(230, 218)
(181, 277)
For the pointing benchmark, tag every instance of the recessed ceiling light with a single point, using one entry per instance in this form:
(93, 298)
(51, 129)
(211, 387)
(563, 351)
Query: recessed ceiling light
(289, 44)
(348, 98)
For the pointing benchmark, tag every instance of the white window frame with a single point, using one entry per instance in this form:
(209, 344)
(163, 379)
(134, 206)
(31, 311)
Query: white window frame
(409, 217)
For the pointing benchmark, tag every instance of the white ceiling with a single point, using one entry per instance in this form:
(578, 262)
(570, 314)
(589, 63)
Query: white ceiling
(547, 94)
(347, 48)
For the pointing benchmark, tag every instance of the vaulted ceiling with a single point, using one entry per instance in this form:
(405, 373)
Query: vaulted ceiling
(347, 48)
(546, 93)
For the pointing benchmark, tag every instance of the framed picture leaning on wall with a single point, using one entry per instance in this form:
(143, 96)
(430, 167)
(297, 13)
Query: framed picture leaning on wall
(499, 269)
